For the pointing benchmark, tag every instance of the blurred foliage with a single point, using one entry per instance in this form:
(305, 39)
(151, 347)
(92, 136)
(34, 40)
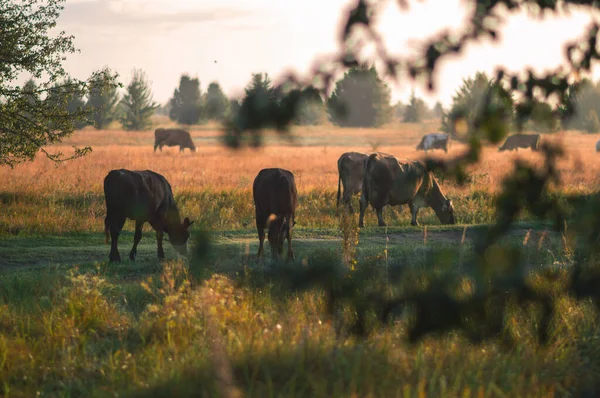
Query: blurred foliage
(137, 104)
(360, 99)
(482, 110)
(29, 123)
(186, 103)
(585, 98)
(478, 101)
(311, 109)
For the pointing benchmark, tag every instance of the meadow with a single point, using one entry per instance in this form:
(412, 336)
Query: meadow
(215, 324)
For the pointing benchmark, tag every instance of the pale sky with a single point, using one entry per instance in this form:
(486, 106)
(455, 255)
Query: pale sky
(166, 38)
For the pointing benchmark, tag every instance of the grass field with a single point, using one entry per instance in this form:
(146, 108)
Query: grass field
(73, 325)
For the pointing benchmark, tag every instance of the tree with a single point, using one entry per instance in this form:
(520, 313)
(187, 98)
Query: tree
(137, 104)
(186, 106)
(482, 105)
(66, 97)
(416, 110)
(311, 109)
(541, 116)
(102, 103)
(398, 110)
(584, 98)
(26, 48)
(215, 102)
(360, 99)
(438, 110)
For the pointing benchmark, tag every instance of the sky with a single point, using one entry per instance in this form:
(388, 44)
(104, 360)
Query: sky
(228, 40)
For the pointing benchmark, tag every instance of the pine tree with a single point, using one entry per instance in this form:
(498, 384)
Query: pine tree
(215, 102)
(137, 104)
(102, 103)
(416, 110)
(186, 105)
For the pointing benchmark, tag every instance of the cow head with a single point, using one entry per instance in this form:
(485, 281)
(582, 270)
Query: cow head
(446, 212)
(279, 229)
(179, 236)
(420, 146)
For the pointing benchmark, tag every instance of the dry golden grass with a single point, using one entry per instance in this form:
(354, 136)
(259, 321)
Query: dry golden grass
(314, 165)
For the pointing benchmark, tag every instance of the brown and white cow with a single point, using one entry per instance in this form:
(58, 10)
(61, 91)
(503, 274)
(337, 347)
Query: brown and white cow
(173, 137)
(275, 200)
(434, 141)
(350, 176)
(388, 181)
(143, 196)
(516, 141)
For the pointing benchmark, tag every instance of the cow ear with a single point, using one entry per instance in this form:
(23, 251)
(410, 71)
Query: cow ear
(186, 222)
(449, 201)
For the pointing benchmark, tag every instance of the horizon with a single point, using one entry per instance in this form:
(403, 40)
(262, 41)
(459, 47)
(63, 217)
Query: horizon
(271, 38)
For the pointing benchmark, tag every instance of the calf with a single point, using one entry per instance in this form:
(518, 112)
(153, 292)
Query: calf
(143, 196)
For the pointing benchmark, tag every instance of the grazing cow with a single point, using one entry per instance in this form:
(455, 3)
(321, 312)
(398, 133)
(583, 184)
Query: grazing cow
(173, 137)
(434, 141)
(598, 146)
(275, 201)
(390, 182)
(350, 176)
(521, 141)
(143, 196)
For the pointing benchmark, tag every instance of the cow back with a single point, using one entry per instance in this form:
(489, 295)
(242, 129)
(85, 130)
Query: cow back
(139, 195)
(274, 192)
(173, 137)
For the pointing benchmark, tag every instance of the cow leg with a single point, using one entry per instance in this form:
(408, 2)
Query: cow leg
(260, 227)
(136, 239)
(159, 241)
(379, 212)
(414, 211)
(363, 205)
(116, 225)
(289, 238)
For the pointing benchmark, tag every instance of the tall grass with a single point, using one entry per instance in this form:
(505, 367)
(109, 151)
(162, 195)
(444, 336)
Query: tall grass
(220, 338)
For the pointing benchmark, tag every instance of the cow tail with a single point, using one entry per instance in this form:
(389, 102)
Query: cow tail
(339, 189)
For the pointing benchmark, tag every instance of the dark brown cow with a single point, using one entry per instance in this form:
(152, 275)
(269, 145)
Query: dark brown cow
(388, 181)
(143, 196)
(173, 137)
(350, 176)
(521, 141)
(275, 201)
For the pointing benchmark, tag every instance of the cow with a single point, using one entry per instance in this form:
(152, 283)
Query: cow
(142, 196)
(350, 176)
(388, 181)
(598, 146)
(434, 141)
(521, 141)
(173, 137)
(275, 200)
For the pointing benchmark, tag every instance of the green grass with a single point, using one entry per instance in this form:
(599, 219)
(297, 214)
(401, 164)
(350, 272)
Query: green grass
(73, 325)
